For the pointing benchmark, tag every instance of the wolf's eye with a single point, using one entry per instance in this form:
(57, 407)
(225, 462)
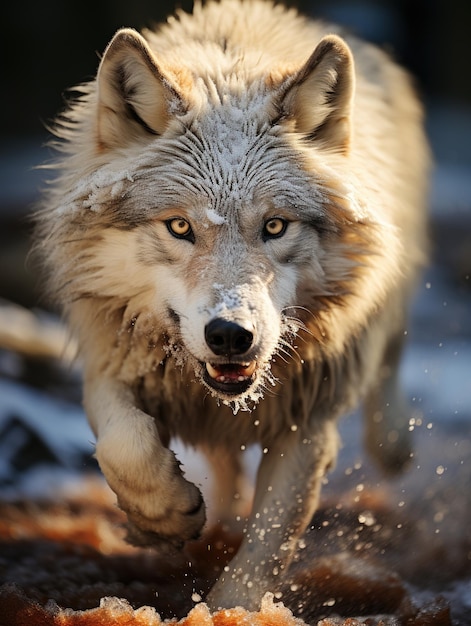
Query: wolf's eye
(180, 228)
(274, 227)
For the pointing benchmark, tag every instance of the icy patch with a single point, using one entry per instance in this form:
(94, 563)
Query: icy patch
(276, 612)
(229, 299)
(119, 611)
(96, 190)
(249, 401)
(182, 357)
(214, 217)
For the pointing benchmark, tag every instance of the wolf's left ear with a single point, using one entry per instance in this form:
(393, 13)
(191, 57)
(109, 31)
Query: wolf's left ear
(319, 96)
(134, 95)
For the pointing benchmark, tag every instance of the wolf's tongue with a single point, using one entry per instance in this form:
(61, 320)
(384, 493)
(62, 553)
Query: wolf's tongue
(230, 373)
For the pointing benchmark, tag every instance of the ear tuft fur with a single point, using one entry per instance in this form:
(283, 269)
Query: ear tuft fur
(134, 95)
(319, 96)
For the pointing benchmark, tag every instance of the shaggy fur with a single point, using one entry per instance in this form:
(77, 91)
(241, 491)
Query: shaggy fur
(234, 233)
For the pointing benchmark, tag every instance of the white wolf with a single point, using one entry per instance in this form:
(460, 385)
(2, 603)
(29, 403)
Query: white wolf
(233, 235)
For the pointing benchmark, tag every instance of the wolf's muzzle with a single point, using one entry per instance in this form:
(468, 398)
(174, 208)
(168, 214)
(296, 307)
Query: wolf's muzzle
(230, 341)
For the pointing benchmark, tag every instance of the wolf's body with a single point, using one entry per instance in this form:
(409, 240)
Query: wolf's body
(237, 224)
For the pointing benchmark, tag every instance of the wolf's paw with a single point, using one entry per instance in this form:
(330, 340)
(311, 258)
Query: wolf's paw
(188, 528)
(160, 503)
(173, 517)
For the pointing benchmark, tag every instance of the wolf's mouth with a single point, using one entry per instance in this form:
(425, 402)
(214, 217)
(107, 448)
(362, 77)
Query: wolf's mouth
(229, 378)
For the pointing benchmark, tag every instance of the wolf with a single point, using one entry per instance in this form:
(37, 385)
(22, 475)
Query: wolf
(234, 232)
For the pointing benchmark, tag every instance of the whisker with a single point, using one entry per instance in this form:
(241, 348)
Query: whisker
(291, 356)
(285, 347)
(288, 351)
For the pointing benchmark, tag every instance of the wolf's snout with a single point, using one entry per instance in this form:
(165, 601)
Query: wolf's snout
(227, 338)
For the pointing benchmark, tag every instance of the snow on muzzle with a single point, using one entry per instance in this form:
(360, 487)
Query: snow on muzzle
(229, 341)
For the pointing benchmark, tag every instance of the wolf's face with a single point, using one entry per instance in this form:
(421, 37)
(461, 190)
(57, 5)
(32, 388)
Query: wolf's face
(228, 281)
(216, 238)
(210, 215)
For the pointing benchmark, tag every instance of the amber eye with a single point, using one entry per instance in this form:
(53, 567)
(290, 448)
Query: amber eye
(180, 228)
(274, 227)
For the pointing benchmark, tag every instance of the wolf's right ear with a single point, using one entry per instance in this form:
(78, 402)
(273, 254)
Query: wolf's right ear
(134, 95)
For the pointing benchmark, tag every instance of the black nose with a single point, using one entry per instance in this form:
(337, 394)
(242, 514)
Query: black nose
(227, 338)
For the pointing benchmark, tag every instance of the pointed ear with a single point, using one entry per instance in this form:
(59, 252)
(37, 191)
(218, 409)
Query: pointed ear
(134, 96)
(319, 96)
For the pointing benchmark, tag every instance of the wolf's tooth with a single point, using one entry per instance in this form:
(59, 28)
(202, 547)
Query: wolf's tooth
(249, 369)
(212, 371)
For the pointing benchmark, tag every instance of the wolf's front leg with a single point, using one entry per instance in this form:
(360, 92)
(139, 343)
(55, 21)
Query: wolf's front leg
(286, 497)
(162, 507)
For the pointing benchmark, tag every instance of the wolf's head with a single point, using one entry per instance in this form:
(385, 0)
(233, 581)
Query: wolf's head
(215, 210)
